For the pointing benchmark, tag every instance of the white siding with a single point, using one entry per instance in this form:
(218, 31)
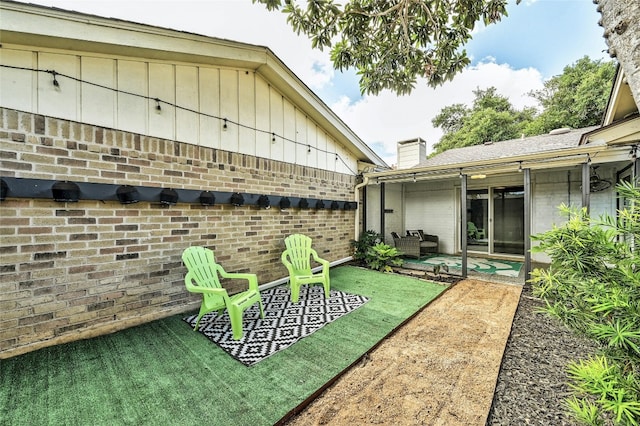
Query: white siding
(289, 132)
(132, 111)
(411, 154)
(17, 85)
(229, 105)
(247, 112)
(120, 93)
(187, 123)
(210, 127)
(162, 122)
(263, 139)
(393, 221)
(64, 99)
(312, 140)
(322, 147)
(301, 138)
(99, 104)
(277, 124)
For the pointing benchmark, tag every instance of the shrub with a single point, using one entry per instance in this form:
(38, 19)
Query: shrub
(367, 239)
(593, 286)
(382, 256)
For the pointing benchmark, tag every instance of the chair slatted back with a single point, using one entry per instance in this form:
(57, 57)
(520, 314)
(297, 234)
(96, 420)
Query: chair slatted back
(299, 251)
(202, 267)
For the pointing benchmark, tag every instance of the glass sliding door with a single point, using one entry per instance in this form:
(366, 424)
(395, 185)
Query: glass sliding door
(495, 220)
(478, 220)
(508, 220)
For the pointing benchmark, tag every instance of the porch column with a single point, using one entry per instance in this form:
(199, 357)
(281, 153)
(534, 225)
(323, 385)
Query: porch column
(463, 223)
(586, 176)
(527, 223)
(636, 171)
(382, 225)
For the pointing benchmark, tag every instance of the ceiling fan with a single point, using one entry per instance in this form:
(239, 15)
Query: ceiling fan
(595, 183)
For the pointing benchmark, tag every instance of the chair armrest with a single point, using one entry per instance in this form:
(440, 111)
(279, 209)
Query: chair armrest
(323, 262)
(432, 238)
(252, 278)
(193, 288)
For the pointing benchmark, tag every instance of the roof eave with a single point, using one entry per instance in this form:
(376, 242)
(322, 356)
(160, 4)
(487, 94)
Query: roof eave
(575, 155)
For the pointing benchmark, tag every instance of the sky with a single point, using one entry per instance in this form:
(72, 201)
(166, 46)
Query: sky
(516, 55)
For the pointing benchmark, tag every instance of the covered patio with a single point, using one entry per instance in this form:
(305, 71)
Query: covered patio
(482, 203)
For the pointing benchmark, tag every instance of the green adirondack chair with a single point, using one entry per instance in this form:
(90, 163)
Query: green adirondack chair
(203, 277)
(297, 259)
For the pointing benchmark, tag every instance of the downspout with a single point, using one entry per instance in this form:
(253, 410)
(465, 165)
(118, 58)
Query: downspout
(364, 210)
(383, 225)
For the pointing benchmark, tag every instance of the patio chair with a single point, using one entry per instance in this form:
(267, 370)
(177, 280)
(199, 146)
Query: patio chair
(202, 277)
(428, 243)
(473, 232)
(409, 246)
(297, 259)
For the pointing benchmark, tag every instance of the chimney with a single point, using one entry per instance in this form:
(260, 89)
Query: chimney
(411, 153)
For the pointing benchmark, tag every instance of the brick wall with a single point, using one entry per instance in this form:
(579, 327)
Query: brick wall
(75, 270)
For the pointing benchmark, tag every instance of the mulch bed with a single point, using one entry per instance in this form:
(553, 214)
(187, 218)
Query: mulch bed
(532, 383)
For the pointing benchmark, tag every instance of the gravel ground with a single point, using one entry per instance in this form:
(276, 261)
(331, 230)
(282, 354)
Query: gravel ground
(531, 385)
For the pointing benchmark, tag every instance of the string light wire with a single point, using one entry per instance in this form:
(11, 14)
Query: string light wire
(226, 121)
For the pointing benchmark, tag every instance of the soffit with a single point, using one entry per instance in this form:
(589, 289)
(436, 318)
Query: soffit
(621, 104)
(622, 132)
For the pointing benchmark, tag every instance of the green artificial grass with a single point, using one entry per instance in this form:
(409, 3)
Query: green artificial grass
(165, 373)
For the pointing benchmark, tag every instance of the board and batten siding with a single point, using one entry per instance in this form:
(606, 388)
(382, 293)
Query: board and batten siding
(269, 125)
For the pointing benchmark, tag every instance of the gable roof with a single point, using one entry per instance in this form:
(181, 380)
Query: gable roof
(514, 149)
(29, 24)
(621, 104)
(561, 148)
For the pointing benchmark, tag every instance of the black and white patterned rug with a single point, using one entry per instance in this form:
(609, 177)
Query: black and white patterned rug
(284, 322)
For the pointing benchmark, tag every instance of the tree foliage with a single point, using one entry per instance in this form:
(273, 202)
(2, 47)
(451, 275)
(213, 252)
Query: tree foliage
(593, 286)
(491, 118)
(363, 35)
(576, 98)
(390, 43)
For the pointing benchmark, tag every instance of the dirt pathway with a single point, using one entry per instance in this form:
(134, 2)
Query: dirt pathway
(439, 369)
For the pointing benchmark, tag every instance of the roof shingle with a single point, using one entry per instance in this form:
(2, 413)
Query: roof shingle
(508, 149)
